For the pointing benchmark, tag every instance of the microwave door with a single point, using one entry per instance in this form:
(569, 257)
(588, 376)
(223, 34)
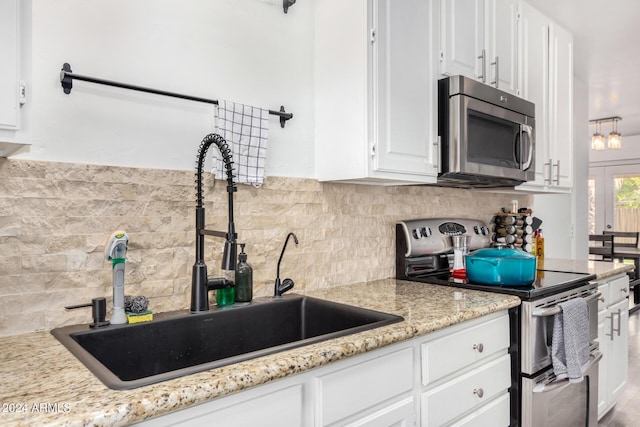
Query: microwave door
(485, 135)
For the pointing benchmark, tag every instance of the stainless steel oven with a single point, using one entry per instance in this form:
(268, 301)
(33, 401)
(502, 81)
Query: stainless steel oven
(547, 400)
(538, 398)
(487, 136)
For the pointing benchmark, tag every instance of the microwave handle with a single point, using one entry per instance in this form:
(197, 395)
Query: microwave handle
(529, 131)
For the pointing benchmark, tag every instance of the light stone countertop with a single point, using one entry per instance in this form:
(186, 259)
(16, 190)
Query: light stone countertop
(601, 269)
(43, 384)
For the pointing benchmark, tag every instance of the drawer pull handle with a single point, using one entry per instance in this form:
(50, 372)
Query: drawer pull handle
(480, 349)
(478, 392)
(625, 290)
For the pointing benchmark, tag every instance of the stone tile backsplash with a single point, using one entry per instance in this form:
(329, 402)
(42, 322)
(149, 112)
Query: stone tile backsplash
(56, 217)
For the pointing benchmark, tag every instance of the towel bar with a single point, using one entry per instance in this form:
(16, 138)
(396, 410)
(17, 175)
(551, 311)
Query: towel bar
(67, 77)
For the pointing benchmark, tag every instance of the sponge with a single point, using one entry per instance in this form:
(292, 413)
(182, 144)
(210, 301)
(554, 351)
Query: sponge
(145, 316)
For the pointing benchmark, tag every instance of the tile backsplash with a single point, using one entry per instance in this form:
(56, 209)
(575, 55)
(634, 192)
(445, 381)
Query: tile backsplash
(56, 217)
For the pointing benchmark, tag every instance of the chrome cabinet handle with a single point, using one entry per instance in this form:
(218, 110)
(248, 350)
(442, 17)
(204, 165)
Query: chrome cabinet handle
(557, 180)
(548, 180)
(483, 58)
(496, 81)
(478, 392)
(480, 348)
(613, 329)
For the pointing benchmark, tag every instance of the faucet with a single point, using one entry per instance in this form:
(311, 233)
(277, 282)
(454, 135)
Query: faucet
(200, 283)
(287, 284)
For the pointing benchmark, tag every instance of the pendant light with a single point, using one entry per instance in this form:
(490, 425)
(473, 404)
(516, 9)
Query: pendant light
(614, 142)
(615, 139)
(597, 140)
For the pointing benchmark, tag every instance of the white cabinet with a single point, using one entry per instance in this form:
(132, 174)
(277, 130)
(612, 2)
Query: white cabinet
(9, 71)
(546, 79)
(479, 39)
(268, 406)
(466, 376)
(613, 332)
(349, 391)
(375, 92)
(458, 375)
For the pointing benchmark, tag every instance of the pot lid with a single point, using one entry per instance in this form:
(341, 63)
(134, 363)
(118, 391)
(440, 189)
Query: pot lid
(506, 253)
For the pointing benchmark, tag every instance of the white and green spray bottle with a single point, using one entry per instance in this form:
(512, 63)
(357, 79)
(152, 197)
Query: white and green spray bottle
(116, 251)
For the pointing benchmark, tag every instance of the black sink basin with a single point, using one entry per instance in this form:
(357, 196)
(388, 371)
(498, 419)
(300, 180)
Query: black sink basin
(130, 356)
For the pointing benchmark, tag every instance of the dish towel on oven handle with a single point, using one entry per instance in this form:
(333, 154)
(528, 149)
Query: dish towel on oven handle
(570, 345)
(245, 128)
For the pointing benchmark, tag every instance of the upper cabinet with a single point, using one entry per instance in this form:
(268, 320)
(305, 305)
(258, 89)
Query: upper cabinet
(11, 89)
(375, 91)
(546, 65)
(9, 71)
(479, 40)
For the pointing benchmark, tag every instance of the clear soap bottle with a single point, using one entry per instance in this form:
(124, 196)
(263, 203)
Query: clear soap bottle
(244, 278)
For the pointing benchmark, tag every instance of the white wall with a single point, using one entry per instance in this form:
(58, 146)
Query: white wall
(629, 153)
(245, 51)
(565, 216)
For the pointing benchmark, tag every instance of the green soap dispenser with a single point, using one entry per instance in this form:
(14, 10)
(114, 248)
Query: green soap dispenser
(244, 278)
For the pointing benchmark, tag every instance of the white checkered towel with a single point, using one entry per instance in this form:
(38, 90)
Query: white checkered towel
(245, 128)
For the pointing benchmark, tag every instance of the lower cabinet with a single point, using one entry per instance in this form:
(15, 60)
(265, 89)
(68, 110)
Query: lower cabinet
(456, 376)
(613, 333)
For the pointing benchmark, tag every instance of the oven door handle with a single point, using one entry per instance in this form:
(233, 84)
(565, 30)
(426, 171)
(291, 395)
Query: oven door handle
(544, 312)
(554, 385)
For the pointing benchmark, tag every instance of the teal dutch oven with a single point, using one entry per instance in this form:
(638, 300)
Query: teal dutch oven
(501, 266)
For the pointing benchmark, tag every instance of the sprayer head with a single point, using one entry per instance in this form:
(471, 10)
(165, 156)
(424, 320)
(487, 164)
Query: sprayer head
(116, 246)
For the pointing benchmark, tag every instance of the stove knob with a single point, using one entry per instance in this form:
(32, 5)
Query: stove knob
(426, 231)
(416, 233)
(476, 229)
(485, 230)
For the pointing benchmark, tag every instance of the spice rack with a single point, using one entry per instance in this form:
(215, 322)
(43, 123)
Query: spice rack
(513, 230)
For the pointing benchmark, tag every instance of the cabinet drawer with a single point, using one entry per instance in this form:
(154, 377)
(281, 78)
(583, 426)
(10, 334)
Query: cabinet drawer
(603, 302)
(618, 289)
(451, 353)
(497, 413)
(462, 394)
(356, 388)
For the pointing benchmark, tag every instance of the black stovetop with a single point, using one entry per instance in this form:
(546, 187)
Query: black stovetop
(547, 282)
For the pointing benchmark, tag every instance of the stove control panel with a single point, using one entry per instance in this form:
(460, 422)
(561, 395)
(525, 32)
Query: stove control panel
(432, 235)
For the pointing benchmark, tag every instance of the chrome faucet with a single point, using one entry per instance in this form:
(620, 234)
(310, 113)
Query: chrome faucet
(287, 284)
(200, 283)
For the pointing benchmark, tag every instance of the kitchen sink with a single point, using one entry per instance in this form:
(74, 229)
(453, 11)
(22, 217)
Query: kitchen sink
(179, 343)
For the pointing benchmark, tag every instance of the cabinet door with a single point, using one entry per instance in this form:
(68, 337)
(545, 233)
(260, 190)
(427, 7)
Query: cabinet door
(462, 38)
(618, 351)
(561, 109)
(603, 371)
(9, 76)
(534, 78)
(404, 121)
(501, 37)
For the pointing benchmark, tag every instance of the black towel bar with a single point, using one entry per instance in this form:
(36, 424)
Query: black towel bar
(67, 76)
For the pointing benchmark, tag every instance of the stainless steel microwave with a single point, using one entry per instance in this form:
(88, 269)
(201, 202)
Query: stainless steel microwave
(487, 136)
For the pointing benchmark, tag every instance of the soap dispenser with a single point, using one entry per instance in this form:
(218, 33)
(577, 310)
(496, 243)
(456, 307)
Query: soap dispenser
(244, 278)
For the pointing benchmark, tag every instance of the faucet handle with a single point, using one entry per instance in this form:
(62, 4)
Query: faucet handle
(287, 284)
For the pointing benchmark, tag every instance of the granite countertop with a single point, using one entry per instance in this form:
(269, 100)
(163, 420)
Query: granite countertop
(601, 269)
(42, 383)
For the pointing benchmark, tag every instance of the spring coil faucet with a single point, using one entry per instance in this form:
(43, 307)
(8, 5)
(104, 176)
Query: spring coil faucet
(200, 284)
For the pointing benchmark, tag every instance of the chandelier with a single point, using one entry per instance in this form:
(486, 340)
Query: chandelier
(614, 141)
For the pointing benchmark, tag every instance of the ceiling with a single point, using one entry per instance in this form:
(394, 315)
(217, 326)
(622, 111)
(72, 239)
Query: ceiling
(606, 35)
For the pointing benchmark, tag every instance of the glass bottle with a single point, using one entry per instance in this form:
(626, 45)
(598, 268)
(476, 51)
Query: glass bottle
(244, 278)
